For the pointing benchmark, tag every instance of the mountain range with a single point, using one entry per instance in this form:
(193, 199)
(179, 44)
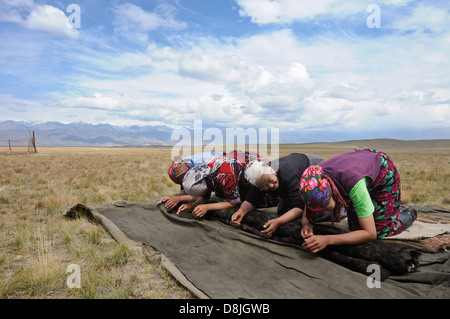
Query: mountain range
(83, 134)
(86, 134)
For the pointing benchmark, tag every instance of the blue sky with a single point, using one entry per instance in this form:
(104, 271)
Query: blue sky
(314, 69)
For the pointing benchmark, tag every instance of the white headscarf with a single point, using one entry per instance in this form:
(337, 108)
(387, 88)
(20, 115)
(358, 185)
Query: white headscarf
(255, 171)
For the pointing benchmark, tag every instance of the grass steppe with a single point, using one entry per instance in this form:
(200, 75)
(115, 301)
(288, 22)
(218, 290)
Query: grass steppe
(38, 243)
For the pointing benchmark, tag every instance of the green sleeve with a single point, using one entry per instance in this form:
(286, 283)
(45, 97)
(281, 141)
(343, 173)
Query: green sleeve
(361, 200)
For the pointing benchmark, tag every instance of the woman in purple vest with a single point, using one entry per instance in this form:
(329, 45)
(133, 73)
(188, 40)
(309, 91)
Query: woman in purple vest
(364, 182)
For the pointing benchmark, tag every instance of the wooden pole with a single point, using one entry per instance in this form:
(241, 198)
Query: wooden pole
(9, 143)
(33, 141)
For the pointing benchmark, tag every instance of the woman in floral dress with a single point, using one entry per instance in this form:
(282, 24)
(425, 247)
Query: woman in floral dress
(364, 182)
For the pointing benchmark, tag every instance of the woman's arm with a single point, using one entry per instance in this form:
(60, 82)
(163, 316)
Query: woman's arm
(172, 201)
(307, 228)
(316, 243)
(272, 225)
(197, 200)
(202, 209)
(362, 203)
(245, 207)
(186, 198)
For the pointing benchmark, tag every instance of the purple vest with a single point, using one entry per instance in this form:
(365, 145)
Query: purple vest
(347, 169)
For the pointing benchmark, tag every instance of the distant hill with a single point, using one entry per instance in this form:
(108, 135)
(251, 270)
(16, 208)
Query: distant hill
(386, 144)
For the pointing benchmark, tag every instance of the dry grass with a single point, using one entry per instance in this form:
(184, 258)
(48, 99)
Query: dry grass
(38, 244)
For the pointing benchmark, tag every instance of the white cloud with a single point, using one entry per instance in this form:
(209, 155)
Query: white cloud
(52, 20)
(239, 95)
(12, 11)
(328, 111)
(38, 17)
(251, 81)
(423, 18)
(130, 18)
(442, 95)
(396, 2)
(283, 11)
(96, 101)
(242, 79)
(161, 53)
(286, 11)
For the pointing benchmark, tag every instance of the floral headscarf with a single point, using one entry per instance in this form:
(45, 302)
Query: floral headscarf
(177, 170)
(315, 189)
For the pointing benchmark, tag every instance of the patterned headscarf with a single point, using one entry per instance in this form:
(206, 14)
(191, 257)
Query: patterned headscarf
(315, 189)
(194, 182)
(177, 170)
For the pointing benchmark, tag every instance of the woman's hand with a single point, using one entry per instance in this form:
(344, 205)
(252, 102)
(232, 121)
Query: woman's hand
(270, 227)
(185, 208)
(200, 210)
(236, 218)
(164, 199)
(315, 243)
(172, 202)
(307, 231)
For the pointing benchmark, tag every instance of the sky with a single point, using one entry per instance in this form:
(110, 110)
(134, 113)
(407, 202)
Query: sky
(322, 70)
